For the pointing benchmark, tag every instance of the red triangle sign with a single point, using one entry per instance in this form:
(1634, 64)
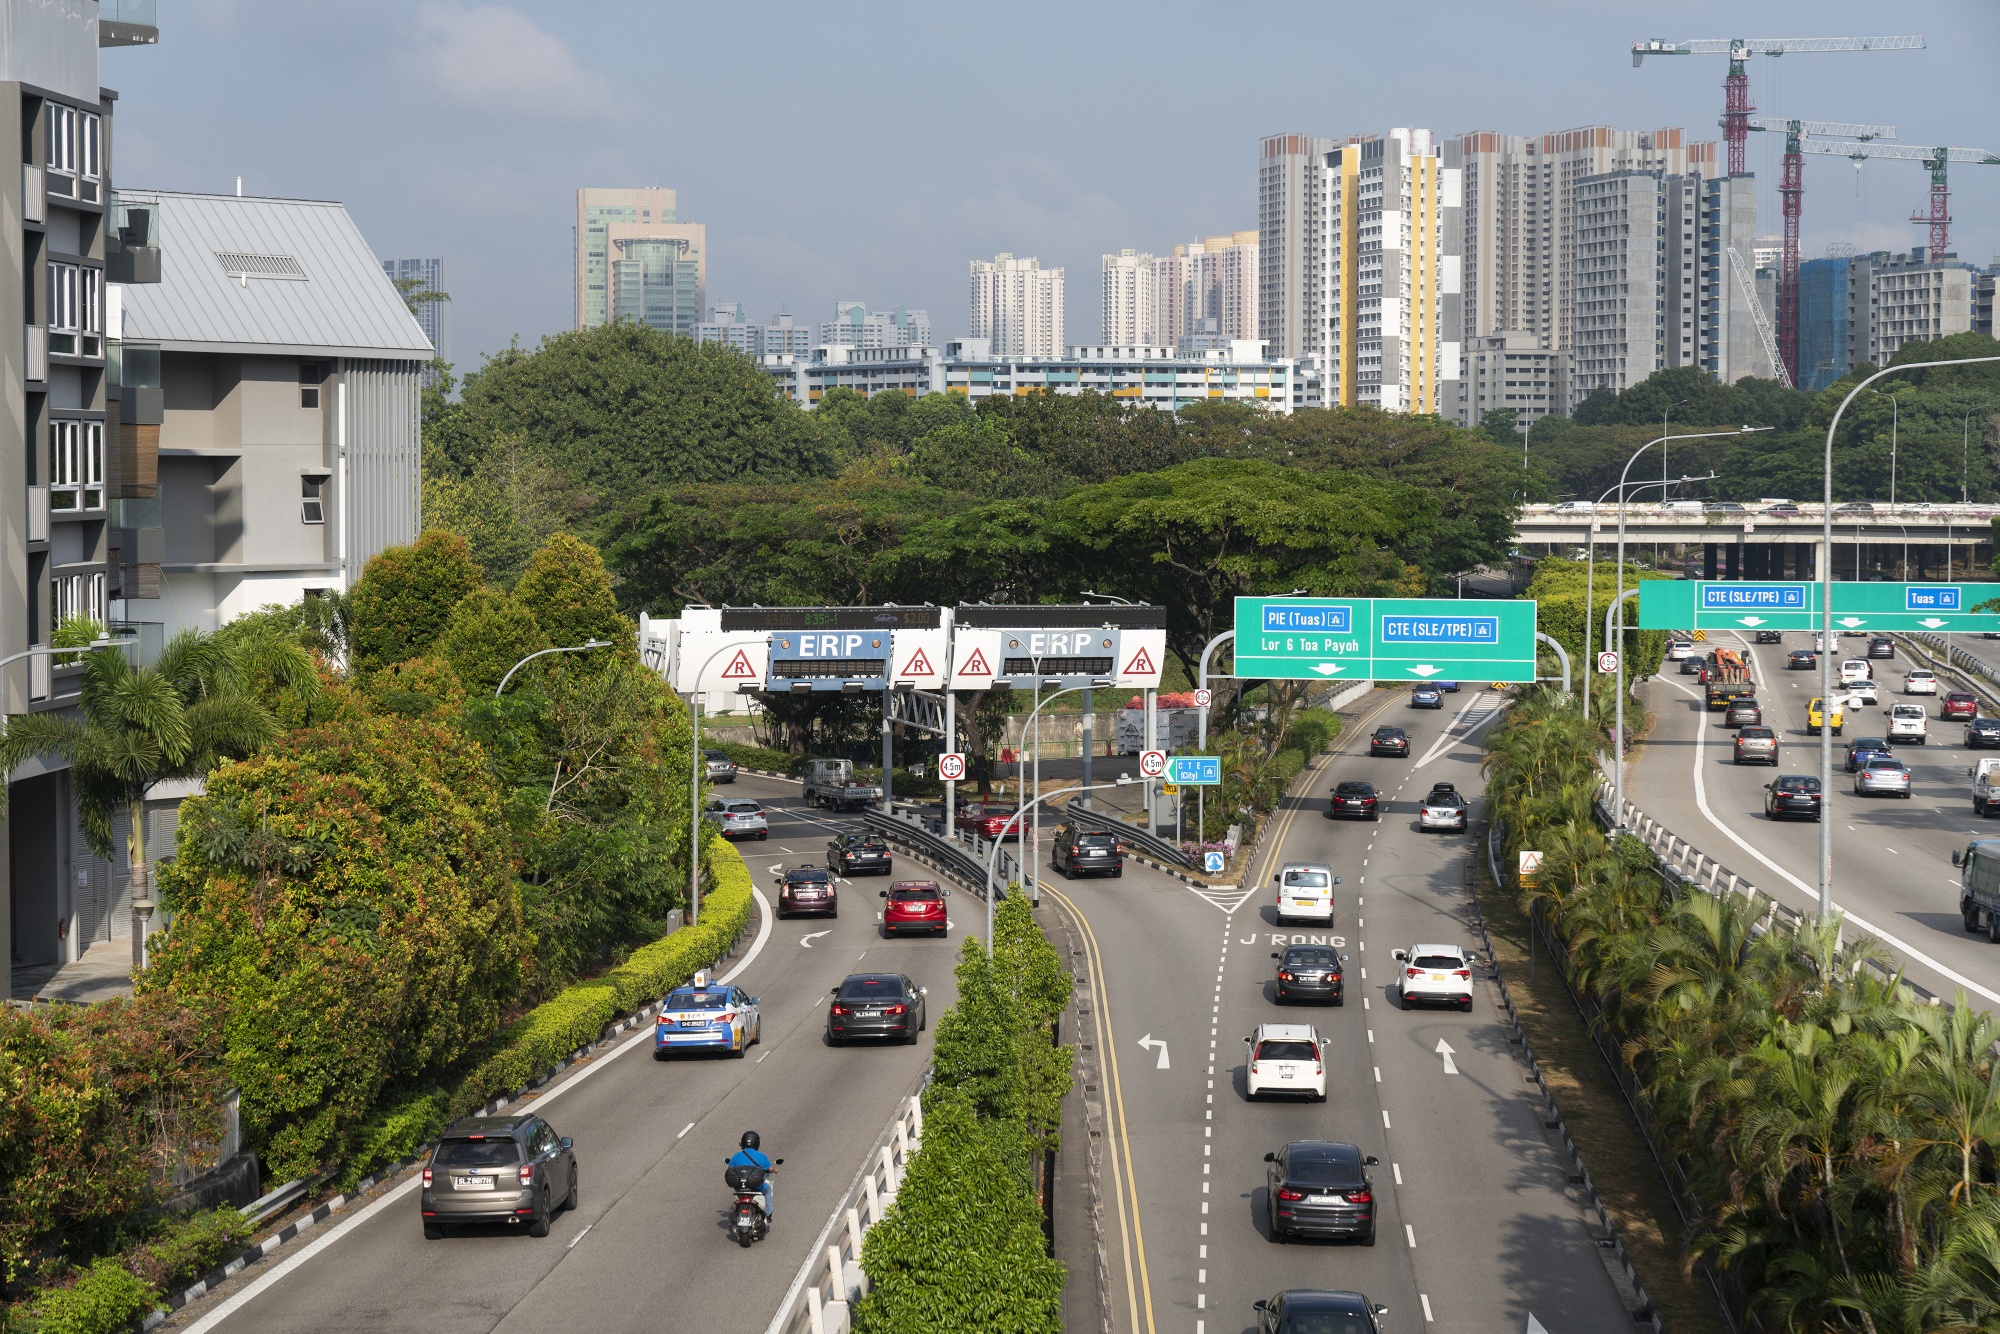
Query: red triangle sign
(739, 668)
(1141, 664)
(976, 665)
(919, 665)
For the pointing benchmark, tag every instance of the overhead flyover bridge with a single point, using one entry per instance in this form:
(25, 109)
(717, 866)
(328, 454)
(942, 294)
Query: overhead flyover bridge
(1754, 542)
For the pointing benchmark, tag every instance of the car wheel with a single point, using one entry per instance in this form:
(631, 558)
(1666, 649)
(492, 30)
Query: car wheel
(1368, 1237)
(569, 1203)
(1465, 1006)
(1993, 927)
(1278, 1234)
(1067, 874)
(738, 1053)
(1340, 1000)
(1118, 874)
(659, 1053)
(1971, 916)
(539, 1226)
(757, 1038)
(432, 1232)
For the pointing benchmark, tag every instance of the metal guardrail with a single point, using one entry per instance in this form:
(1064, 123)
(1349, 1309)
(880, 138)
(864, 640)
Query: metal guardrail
(821, 1299)
(1977, 676)
(964, 857)
(1151, 844)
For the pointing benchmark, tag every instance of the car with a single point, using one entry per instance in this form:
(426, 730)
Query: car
(739, 817)
(1856, 669)
(1743, 711)
(915, 905)
(852, 854)
(1693, 664)
(1389, 741)
(1681, 507)
(1794, 795)
(1861, 692)
(1908, 722)
(1982, 732)
(1757, 745)
(1354, 798)
(807, 889)
(1783, 509)
(1310, 972)
(1577, 507)
(720, 768)
(876, 1005)
(1436, 973)
(1819, 643)
(1959, 704)
(1449, 687)
(1881, 646)
(1443, 808)
(1770, 637)
(1678, 649)
(1080, 851)
(1318, 1311)
(1320, 1188)
(1285, 1058)
(1855, 507)
(1801, 659)
(705, 1016)
(991, 819)
(1305, 892)
(1882, 774)
(1723, 507)
(498, 1169)
(1814, 720)
(1920, 682)
(1861, 747)
(1426, 696)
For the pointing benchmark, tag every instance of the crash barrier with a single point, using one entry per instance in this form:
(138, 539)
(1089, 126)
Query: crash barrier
(1975, 675)
(963, 857)
(821, 1299)
(1159, 849)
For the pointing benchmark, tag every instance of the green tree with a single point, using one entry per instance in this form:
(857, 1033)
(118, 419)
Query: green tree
(1501, 425)
(506, 508)
(487, 634)
(567, 591)
(405, 597)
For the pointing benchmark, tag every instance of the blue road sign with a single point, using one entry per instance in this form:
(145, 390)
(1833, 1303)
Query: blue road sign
(1212, 863)
(1753, 597)
(1194, 770)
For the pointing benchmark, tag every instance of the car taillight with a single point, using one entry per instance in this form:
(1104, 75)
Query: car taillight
(527, 1174)
(840, 1009)
(1287, 1193)
(1462, 972)
(1413, 972)
(1284, 976)
(1360, 1197)
(896, 1009)
(725, 1018)
(665, 1022)
(427, 1176)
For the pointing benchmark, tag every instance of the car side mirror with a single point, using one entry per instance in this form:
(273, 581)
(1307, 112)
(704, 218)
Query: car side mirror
(1957, 858)
(1274, 879)
(923, 991)
(885, 893)
(756, 1000)
(833, 991)
(1381, 1310)
(1270, 1157)
(1399, 955)
(776, 1162)
(568, 1143)
(1371, 1161)
(1336, 880)
(1276, 955)
(1343, 958)
(1260, 1305)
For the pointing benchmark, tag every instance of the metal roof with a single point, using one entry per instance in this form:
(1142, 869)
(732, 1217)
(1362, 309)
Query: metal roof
(256, 275)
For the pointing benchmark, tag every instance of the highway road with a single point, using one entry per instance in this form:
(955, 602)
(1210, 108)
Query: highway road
(1477, 1229)
(646, 1248)
(1892, 858)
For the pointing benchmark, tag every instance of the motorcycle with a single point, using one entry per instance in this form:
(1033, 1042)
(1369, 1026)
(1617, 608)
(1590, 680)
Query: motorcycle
(750, 1223)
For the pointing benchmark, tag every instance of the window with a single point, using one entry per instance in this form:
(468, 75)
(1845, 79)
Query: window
(94, 603)
(89, 159)
(63, 308)
(76, 466)
(312, 508)
(311, 373)
(90, 311)
(62, 147)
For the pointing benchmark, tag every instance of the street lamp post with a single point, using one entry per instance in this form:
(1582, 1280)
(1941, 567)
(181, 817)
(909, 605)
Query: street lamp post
(584, 647)
(1826, 620)
(993, 855)
(1590, 574)
(1895, 420)
(1034, 723)
(694, 787)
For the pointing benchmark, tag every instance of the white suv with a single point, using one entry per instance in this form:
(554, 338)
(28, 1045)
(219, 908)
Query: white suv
(1920, 682)
(1436, 973)
(1285, 1058)
(1908, 722)
(1305, 891)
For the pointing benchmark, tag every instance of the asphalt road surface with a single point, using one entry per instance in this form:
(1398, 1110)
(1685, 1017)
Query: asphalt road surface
(647, 1247)
(1477, 1228)
(1892, 858)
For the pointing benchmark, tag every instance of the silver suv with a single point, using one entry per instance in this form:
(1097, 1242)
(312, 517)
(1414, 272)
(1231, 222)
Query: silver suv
(498, 1169)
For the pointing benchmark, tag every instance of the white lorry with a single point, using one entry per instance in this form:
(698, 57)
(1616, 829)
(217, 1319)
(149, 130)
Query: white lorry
(1986, 787)
(832, 784)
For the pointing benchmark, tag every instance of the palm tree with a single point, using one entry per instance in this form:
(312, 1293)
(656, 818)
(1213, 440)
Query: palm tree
(139, 725)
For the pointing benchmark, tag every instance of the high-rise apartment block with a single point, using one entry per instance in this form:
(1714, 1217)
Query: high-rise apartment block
(1131, 300)
(1206, 292)
(636, 261)
(1738, 310)
(1635, 279)
(1289, 189)
(1863, 309)
(730, 325)
(424, 275)
(854, 325)
(1017, 305)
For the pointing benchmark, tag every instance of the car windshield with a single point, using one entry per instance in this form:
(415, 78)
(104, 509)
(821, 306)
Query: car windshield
(1326, 1322)
(1959, 697)
(1437, 961)
(698, 1000)
(1306, 879)
(1285, 1050)
(477, 1153)
(1451, 799)
(1389, 733)
(1096, 840)
(1354, 790)
(871, 988)
(1798, 784)
(743, 808)
(1309, 958)
(866, 845)
(913, 893)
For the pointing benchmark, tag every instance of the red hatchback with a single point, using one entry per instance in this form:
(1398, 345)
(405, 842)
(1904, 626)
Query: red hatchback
(989, 820)
(914, 905)
(1959, 704)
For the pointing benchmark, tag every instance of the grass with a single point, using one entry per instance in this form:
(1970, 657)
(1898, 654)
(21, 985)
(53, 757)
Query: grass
(1594, 1111)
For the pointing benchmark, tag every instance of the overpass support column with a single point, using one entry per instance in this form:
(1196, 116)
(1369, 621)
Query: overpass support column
(1710, 562)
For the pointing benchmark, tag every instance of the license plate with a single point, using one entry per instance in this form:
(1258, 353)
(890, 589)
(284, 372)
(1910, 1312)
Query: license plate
(1440, 977)
(1285, 1074)
(1323, 1199)
(867, 1014)
(472, 1183)
(694, 1023)
(1095, 852)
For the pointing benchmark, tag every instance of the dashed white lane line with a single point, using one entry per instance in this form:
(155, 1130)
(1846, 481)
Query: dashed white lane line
(1411, 1233)
(1385, 1118)
(1378, 1074)
(1397, 1168)
(579, 1236)
(684, 1130)
(1426, 1300)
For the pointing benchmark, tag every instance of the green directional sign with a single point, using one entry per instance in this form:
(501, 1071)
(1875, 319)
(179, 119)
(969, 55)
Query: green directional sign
(1676, 604)
(1384, 639)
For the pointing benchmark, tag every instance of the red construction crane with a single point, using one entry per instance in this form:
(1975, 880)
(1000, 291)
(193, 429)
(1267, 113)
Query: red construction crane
(1791, 194)
(1736, 107)
(1939, 217)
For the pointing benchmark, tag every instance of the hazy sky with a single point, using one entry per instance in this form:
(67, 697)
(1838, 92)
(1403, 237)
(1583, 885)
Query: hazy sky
(868, 151)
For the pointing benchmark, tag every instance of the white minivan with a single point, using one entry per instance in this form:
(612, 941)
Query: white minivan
(1908, 722)
(1305, 892)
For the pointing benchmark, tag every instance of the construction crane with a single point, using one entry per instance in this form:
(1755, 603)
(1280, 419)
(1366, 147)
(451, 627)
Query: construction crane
(1791, 195)
(1748, 286)
(1939, 217)
(1736, 107)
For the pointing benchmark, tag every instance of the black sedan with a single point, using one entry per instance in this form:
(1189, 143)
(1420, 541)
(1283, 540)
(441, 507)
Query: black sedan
(1801, 660)
(1692, 664)
(855, 854)
(1317, 1310)
(1982, 732)
(1770, 637)
(1389, 741)
(1310, 973)
(1356, 799)
(1794, 796)
(875, 1005)
(1858, 750)
(808, 889)
(1319, 1188)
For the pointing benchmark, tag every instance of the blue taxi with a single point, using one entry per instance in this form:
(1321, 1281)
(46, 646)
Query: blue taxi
(707, 1017)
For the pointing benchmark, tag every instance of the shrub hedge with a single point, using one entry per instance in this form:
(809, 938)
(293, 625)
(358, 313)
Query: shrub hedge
(106, 1297)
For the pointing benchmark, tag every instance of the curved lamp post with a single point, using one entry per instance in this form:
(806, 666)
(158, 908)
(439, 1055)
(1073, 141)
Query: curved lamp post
(694, 786)
(584, 647)
(1020, 821)
(1826, 622)
(1590, 574)
(1034, 721)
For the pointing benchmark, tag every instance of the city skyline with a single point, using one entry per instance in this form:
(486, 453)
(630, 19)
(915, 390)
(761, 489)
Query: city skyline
(505, 152)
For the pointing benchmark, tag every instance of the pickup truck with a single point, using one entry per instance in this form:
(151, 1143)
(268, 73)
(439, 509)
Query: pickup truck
(1979, 886)
(1726, 676)
(831, 784)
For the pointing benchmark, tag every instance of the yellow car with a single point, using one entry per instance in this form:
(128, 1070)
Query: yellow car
(1814, 722)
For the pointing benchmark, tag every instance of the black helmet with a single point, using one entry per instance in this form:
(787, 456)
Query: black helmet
(750, 1140)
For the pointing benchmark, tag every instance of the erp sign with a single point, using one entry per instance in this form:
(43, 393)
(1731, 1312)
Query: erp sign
(1754, 597)
(1405, 629)
(1329, 618)
(825, 644)
(1930, 597)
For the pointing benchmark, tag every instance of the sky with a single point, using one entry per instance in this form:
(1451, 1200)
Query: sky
(869, 151)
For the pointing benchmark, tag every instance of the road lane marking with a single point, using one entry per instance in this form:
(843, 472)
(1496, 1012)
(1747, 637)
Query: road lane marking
(807, 940)
(1411, 1233)
(1385, 1118)
(1397, 1168)
(1424, 1297)
(760, 1059)
(579, 1236)
(684, 1130)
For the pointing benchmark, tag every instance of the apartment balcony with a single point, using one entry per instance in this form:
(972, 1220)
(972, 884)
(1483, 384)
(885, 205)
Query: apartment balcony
(128, 23)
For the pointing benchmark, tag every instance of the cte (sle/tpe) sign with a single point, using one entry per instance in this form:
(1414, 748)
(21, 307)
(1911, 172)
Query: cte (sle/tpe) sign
(1317, 639)
(1671, 604)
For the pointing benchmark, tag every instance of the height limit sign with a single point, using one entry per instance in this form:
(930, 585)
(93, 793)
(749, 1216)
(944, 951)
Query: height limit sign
(951, 766)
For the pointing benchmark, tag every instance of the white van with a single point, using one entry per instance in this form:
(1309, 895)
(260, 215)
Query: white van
(1986, 786)
(1681, 507)
(1305, 890)
(1908, 722)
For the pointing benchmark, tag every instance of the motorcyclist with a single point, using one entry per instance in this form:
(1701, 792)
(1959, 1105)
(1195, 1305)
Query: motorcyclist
(751, 1155)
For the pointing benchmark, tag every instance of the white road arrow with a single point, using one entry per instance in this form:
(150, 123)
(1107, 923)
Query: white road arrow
(1932, 622)
(1851, 622)
(1326, 668)
(1425, 669)
(807, 941)
(1149, 1043)
(1749, 620)
(1444, 1049)
(1535, 1326)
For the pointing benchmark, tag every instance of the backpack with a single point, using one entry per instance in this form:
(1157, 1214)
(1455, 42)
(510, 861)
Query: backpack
(743, 1176)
